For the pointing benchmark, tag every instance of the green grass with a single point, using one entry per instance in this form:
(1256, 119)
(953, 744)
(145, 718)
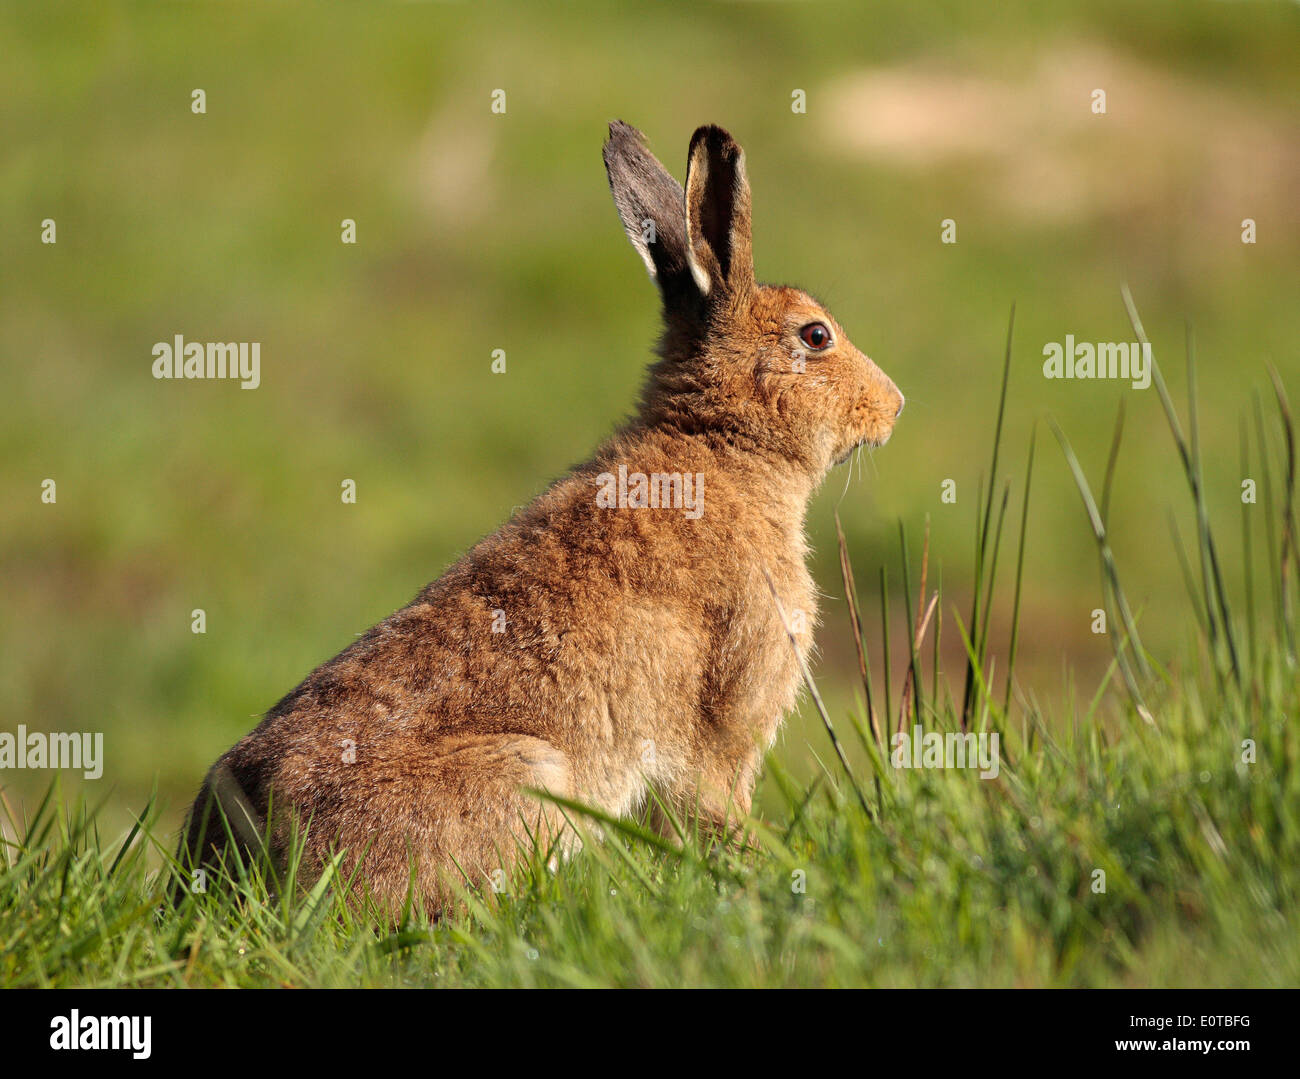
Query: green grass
(958, 881)
(1175, 781)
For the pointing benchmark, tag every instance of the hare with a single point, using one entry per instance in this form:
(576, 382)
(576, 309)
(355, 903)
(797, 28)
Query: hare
(621, 633)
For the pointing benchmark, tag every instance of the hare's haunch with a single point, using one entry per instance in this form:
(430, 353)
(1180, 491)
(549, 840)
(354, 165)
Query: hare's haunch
(617, 635)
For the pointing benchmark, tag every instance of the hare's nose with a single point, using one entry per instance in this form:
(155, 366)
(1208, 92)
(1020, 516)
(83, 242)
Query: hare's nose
(901, 402)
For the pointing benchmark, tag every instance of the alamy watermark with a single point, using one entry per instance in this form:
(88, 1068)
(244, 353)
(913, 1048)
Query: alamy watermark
(658, 490)
(1105, 359)
(36, 749)
(179, 358)
(113, 1032)
(955, 749)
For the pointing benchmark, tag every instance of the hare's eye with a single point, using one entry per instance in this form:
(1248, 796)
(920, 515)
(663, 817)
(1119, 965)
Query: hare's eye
(815, 335)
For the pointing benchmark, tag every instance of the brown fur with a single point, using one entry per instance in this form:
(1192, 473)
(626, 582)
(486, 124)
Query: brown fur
(641, 647)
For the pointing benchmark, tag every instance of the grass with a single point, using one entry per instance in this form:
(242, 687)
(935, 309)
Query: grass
(1148, 834)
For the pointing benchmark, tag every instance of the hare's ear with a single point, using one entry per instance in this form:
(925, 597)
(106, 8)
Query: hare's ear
(650, 205)
(718, 245)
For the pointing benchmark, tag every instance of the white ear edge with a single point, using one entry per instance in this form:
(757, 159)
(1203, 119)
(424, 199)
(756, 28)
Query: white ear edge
(697, 272)
(634, 235)
(649, 262)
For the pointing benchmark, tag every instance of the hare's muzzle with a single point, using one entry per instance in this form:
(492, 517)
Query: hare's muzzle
(883, 405)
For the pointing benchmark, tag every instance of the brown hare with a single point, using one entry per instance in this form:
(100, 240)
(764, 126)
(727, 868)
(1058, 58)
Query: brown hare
(619, 634)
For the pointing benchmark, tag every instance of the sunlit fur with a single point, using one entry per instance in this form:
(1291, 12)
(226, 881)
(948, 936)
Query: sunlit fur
(641, 648)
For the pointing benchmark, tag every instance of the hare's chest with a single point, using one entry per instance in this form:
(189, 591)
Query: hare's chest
(770, 641)
(791, 631)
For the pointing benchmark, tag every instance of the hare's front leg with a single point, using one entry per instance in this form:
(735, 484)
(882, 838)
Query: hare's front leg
(712, 800)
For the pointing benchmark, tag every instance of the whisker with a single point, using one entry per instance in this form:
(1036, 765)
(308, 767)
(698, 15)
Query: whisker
(848, 475)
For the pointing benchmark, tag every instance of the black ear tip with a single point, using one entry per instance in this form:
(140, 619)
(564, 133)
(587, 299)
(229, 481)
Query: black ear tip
(717, 141)
(620, 131)
(619, 134)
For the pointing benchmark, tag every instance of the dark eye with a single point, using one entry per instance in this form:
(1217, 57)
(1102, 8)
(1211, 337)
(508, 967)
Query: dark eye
(815, 335)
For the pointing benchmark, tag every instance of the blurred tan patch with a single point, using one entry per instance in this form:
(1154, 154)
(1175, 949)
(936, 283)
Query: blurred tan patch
(453, 166)
(1036, 150)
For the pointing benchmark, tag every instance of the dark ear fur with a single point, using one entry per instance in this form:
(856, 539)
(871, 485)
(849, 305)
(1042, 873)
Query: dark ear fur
(719, 249)
(651, 205)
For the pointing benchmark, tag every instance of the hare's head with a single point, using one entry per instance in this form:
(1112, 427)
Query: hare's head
(763, 367)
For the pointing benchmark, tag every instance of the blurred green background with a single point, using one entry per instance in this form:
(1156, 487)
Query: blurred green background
(479, 231)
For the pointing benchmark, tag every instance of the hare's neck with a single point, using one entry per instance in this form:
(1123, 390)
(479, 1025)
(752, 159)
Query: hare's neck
(781, 487)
